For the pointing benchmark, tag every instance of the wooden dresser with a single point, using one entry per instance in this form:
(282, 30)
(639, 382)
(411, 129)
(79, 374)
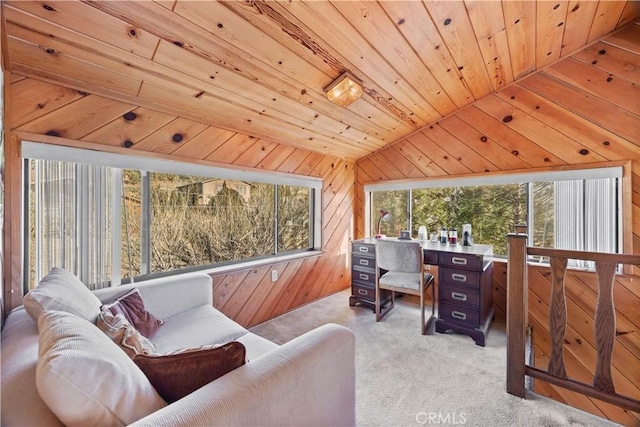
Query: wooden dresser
(465, 303)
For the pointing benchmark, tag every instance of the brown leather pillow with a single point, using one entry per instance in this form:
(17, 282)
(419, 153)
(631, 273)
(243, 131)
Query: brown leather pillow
(131, 306)
(175, 375)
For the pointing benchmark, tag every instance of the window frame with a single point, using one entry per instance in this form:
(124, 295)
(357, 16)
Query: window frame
(164, 164)
(618, 169)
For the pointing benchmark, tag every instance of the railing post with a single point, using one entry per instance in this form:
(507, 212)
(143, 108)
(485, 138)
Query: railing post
(517, 308)
(521, 228)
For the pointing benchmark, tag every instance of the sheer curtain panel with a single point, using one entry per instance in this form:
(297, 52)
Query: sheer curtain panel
(70, 220)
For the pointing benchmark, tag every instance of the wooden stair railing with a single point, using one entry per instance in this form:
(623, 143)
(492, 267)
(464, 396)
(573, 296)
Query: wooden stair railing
(605, 323)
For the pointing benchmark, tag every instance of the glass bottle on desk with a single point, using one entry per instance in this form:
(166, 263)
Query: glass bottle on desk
(443, 235)
(467, 239)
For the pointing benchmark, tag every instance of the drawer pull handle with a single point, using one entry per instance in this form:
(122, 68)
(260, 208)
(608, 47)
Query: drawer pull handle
(459, 296)
(459, 277)
(459, 315)
(459, 261)
(364, 276)
(363, 249)
(362, 292)
(364, 262)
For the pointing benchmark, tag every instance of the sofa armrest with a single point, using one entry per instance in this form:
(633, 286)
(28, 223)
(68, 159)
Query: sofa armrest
(307, 381)
(167, 296)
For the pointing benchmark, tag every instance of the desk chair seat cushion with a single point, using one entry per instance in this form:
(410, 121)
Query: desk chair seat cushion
(404, 280)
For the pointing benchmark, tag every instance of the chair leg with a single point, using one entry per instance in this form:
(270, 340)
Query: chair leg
(426, 323)
(377, 302)
(382, 311)
(433, 299)
(423, 326)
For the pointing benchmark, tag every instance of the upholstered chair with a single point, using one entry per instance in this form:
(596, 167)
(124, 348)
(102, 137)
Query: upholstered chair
(401, 269)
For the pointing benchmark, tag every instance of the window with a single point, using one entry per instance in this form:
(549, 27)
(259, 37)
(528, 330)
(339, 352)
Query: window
(396, 204)
(578, 209)
(165, 217)
(576, 214)
(492, 210)
(293, 217)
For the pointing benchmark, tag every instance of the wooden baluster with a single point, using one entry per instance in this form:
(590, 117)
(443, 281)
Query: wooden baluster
(605, 326)
(516, 313)
(557, 317)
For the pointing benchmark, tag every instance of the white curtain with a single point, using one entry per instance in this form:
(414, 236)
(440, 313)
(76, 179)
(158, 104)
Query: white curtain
(569, 211)
(600, 217)
(71, 225)
(586, 216)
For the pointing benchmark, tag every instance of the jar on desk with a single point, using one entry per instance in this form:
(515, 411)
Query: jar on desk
(443, 235)
(422, 233)
(453, 236)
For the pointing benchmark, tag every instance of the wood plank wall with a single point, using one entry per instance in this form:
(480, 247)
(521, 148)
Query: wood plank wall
(583, 109)
(40, 109)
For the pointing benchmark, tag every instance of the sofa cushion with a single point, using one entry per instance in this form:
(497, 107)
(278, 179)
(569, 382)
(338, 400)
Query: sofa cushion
(20, 402)
(85, 379)
(256, 345)
(131, 306)
(118, 328)
(205, 324)
(167, 296)
(61, 290)
(177, 374)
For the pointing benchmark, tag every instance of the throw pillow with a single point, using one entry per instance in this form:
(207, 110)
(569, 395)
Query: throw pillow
(61, 290)
(85, 379)
(131, 306)
(124, 334)
(177, 374)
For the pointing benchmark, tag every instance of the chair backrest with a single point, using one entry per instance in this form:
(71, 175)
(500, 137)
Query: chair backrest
(399, 256)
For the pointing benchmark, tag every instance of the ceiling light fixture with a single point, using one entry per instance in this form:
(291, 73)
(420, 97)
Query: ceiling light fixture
(344, 90)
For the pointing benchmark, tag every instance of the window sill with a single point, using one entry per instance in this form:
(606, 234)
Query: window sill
(232, 268)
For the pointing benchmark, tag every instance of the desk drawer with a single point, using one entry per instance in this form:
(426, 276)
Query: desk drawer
(464, 297)
(363, 261)
(458, 277)
(363, 292)
(466, 261)
(363, 248)
(458, 314)
(431, 257)
(363, 275)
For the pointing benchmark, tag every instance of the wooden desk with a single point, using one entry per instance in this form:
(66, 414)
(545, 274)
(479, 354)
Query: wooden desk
(465, 303)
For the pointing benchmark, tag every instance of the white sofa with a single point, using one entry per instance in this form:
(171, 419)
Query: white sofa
(307, 381)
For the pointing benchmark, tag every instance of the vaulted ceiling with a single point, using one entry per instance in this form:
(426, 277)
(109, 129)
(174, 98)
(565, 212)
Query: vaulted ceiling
(260, 67)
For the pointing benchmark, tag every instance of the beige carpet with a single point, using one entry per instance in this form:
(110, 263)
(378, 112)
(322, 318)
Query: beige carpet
(406, 379)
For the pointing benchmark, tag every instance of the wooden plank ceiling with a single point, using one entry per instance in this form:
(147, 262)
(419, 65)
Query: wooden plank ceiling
(260, 67)
(580, 110)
